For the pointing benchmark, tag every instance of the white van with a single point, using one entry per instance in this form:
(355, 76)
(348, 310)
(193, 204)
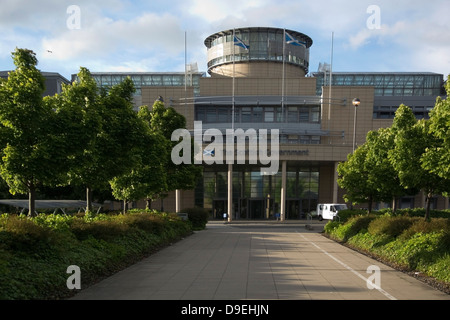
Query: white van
(329, 210)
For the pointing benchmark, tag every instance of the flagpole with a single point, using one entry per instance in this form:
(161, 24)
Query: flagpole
(234, 70)
(283, 75)
(230, 165)
(331, 75)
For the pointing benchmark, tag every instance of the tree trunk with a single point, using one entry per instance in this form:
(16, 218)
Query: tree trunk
(148, 204)
(125, 206)
(428, 203)
(370, 203)
(31, 200)
(88, 199)
(394, 204)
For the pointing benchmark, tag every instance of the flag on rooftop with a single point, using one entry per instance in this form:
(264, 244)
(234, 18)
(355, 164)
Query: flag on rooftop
(238, 42)
(291, 40)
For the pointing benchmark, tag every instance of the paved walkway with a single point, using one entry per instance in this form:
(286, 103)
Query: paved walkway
(259, 260)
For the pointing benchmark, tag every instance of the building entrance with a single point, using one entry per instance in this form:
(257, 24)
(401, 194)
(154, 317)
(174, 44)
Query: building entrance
(219, 208)
(293, 208)
(256, 208)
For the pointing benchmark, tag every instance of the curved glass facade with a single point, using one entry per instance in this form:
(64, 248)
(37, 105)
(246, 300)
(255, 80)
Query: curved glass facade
(264, 44)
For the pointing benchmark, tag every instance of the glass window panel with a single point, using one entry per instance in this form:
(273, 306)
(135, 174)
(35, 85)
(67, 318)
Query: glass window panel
(292, 114)
(304, 115)
(211, 115)
(257, 114)
(200, 114)
(246, 115)
(315, 114)
(223, 115)
(269, 115)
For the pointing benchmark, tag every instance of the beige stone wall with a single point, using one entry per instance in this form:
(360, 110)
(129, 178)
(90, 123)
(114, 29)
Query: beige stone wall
(257, 86)
(256, 69)
(338, 117)
(177, 97)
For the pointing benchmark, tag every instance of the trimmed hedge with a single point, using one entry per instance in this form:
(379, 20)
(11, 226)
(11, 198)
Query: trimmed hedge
(198, 217)
(407, 241)
(36, 252)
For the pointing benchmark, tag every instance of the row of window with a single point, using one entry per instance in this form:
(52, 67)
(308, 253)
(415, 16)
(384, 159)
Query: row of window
(257, 114)
(303, 183)
(387, 84)
(259, 56)
(388, 112)
(254, 37)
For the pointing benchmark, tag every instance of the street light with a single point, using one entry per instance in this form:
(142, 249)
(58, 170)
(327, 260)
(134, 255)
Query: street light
(356, 102)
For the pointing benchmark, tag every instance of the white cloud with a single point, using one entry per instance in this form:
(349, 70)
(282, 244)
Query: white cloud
(122, 45)
(143, 35)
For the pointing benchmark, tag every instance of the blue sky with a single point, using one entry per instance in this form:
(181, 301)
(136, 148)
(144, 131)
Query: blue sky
(134, 36)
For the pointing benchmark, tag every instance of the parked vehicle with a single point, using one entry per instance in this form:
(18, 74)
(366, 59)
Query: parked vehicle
(329, 211)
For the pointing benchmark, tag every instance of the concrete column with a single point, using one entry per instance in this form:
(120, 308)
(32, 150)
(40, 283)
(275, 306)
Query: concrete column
(283, 190)
(230, 193)
(177, 200)
(335, 184)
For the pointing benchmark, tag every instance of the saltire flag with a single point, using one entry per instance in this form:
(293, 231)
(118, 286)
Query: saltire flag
(209, 152)
(291, 40)
(238, 42)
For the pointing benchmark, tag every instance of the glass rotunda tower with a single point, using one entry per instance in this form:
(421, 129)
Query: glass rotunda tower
(258, 53)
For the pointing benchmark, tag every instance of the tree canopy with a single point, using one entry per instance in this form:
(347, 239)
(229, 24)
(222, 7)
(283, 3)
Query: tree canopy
(30, 154)
(85, 136)
(409, 156)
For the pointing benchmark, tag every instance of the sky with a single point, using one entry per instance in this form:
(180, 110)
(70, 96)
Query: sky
(149, 36)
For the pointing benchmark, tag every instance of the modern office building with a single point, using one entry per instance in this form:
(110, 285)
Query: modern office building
(53, 82)
(259, 78)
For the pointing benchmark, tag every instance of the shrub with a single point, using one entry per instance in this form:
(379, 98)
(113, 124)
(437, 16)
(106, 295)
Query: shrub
(353, 226)
(344, 215)
(198, 217)
(419, 225)
(331, 227)
(35, 252)
(144, 221)
(21, 234)
(390, 226)
(99, 229)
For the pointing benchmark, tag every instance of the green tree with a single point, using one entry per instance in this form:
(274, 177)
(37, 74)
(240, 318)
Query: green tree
(355, 178)
(30, 154)
(147, 177)
(382, 174)
(110, 153)
(77, 121)
(412, 138)
(437, 158)
(165, 121)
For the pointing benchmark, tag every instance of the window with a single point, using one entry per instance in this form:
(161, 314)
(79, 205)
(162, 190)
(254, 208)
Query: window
(292, 115)
(223, 115)
(246, 114)
(304, 115)
(211, 115)
(269, 114)
(257, 114)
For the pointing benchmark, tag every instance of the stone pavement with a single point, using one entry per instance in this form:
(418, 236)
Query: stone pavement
(259, 260)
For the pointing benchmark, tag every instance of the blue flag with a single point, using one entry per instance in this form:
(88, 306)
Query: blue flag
(291, 40)
(238, 42)
(210, 153)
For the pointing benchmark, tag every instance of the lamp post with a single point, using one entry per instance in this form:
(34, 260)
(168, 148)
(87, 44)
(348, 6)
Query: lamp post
(356, 102)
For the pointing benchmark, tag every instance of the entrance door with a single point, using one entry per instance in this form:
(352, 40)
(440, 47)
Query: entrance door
(293, 209)
(256, 208)
(219, 208)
